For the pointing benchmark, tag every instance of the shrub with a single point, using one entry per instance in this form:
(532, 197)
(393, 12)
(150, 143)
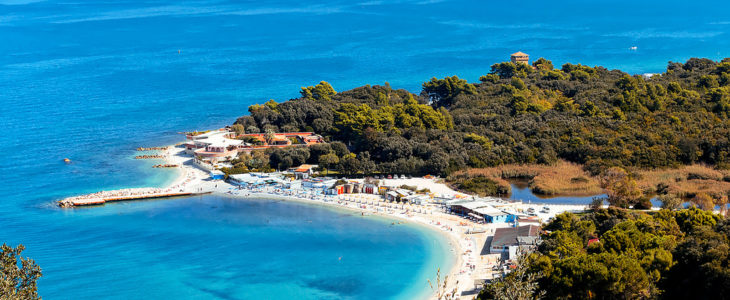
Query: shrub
(483, 186)
(670, 202)
(579, 179)
(703, 176)
(409, 187)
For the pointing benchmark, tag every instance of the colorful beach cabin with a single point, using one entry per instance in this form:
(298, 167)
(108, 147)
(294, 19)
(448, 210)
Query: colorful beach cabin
(370, 188)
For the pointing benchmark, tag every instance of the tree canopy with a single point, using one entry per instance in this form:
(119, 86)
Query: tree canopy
(18, 275)
(620, 254)
(518, 114)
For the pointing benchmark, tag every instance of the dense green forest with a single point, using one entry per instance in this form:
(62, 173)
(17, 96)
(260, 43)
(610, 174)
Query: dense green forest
(516, 114)
(622, 254)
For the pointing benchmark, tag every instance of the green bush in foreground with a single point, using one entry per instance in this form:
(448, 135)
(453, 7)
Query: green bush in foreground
(18, 275)
(681, 254)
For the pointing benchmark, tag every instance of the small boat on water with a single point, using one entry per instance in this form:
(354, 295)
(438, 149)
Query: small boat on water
(633, 48)
(66, 160)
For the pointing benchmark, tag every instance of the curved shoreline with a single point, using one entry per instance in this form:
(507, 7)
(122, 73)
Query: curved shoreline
(191, 178)
(175, 155)
(450, 236)
(468, 260)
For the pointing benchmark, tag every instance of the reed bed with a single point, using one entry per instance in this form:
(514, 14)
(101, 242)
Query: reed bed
(569, 179)
(686, 181)
(563, 178)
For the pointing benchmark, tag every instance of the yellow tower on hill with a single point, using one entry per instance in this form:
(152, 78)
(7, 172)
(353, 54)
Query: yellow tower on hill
(520, 57)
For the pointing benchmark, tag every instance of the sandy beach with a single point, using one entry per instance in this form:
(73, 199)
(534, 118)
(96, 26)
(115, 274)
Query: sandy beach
(471, 261)
(450, 227)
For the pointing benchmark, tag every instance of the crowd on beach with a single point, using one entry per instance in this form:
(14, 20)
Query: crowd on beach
(465, 247)
(368, 202)
(463, 244)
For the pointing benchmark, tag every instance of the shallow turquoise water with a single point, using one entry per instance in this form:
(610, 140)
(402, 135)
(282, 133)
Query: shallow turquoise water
(204, 247)
(92, 80)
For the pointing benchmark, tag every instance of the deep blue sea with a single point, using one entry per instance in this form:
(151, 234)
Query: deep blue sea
(92, 80)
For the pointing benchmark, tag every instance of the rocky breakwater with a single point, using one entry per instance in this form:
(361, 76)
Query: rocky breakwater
(149, 156)
(151, 148)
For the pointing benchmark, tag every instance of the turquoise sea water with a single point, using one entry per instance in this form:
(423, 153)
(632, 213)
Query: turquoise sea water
(217, 247)
(92, 80)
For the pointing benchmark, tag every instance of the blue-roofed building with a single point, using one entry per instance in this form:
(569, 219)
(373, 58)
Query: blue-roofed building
(481, 211)
(217, 175)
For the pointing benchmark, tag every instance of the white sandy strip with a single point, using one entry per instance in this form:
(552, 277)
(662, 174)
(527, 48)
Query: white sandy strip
(190, 177)
(193, 179)
(453, 228)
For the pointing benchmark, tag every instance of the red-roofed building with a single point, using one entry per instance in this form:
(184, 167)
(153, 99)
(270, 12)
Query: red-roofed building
(303, 171)
(282, 140)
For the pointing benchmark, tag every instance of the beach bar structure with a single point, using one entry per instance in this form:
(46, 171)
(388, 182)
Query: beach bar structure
(255, 179)
(480, 211)
(318, 183)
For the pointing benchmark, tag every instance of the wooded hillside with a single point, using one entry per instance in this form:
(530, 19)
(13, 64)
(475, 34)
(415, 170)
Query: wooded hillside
(518, 114)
